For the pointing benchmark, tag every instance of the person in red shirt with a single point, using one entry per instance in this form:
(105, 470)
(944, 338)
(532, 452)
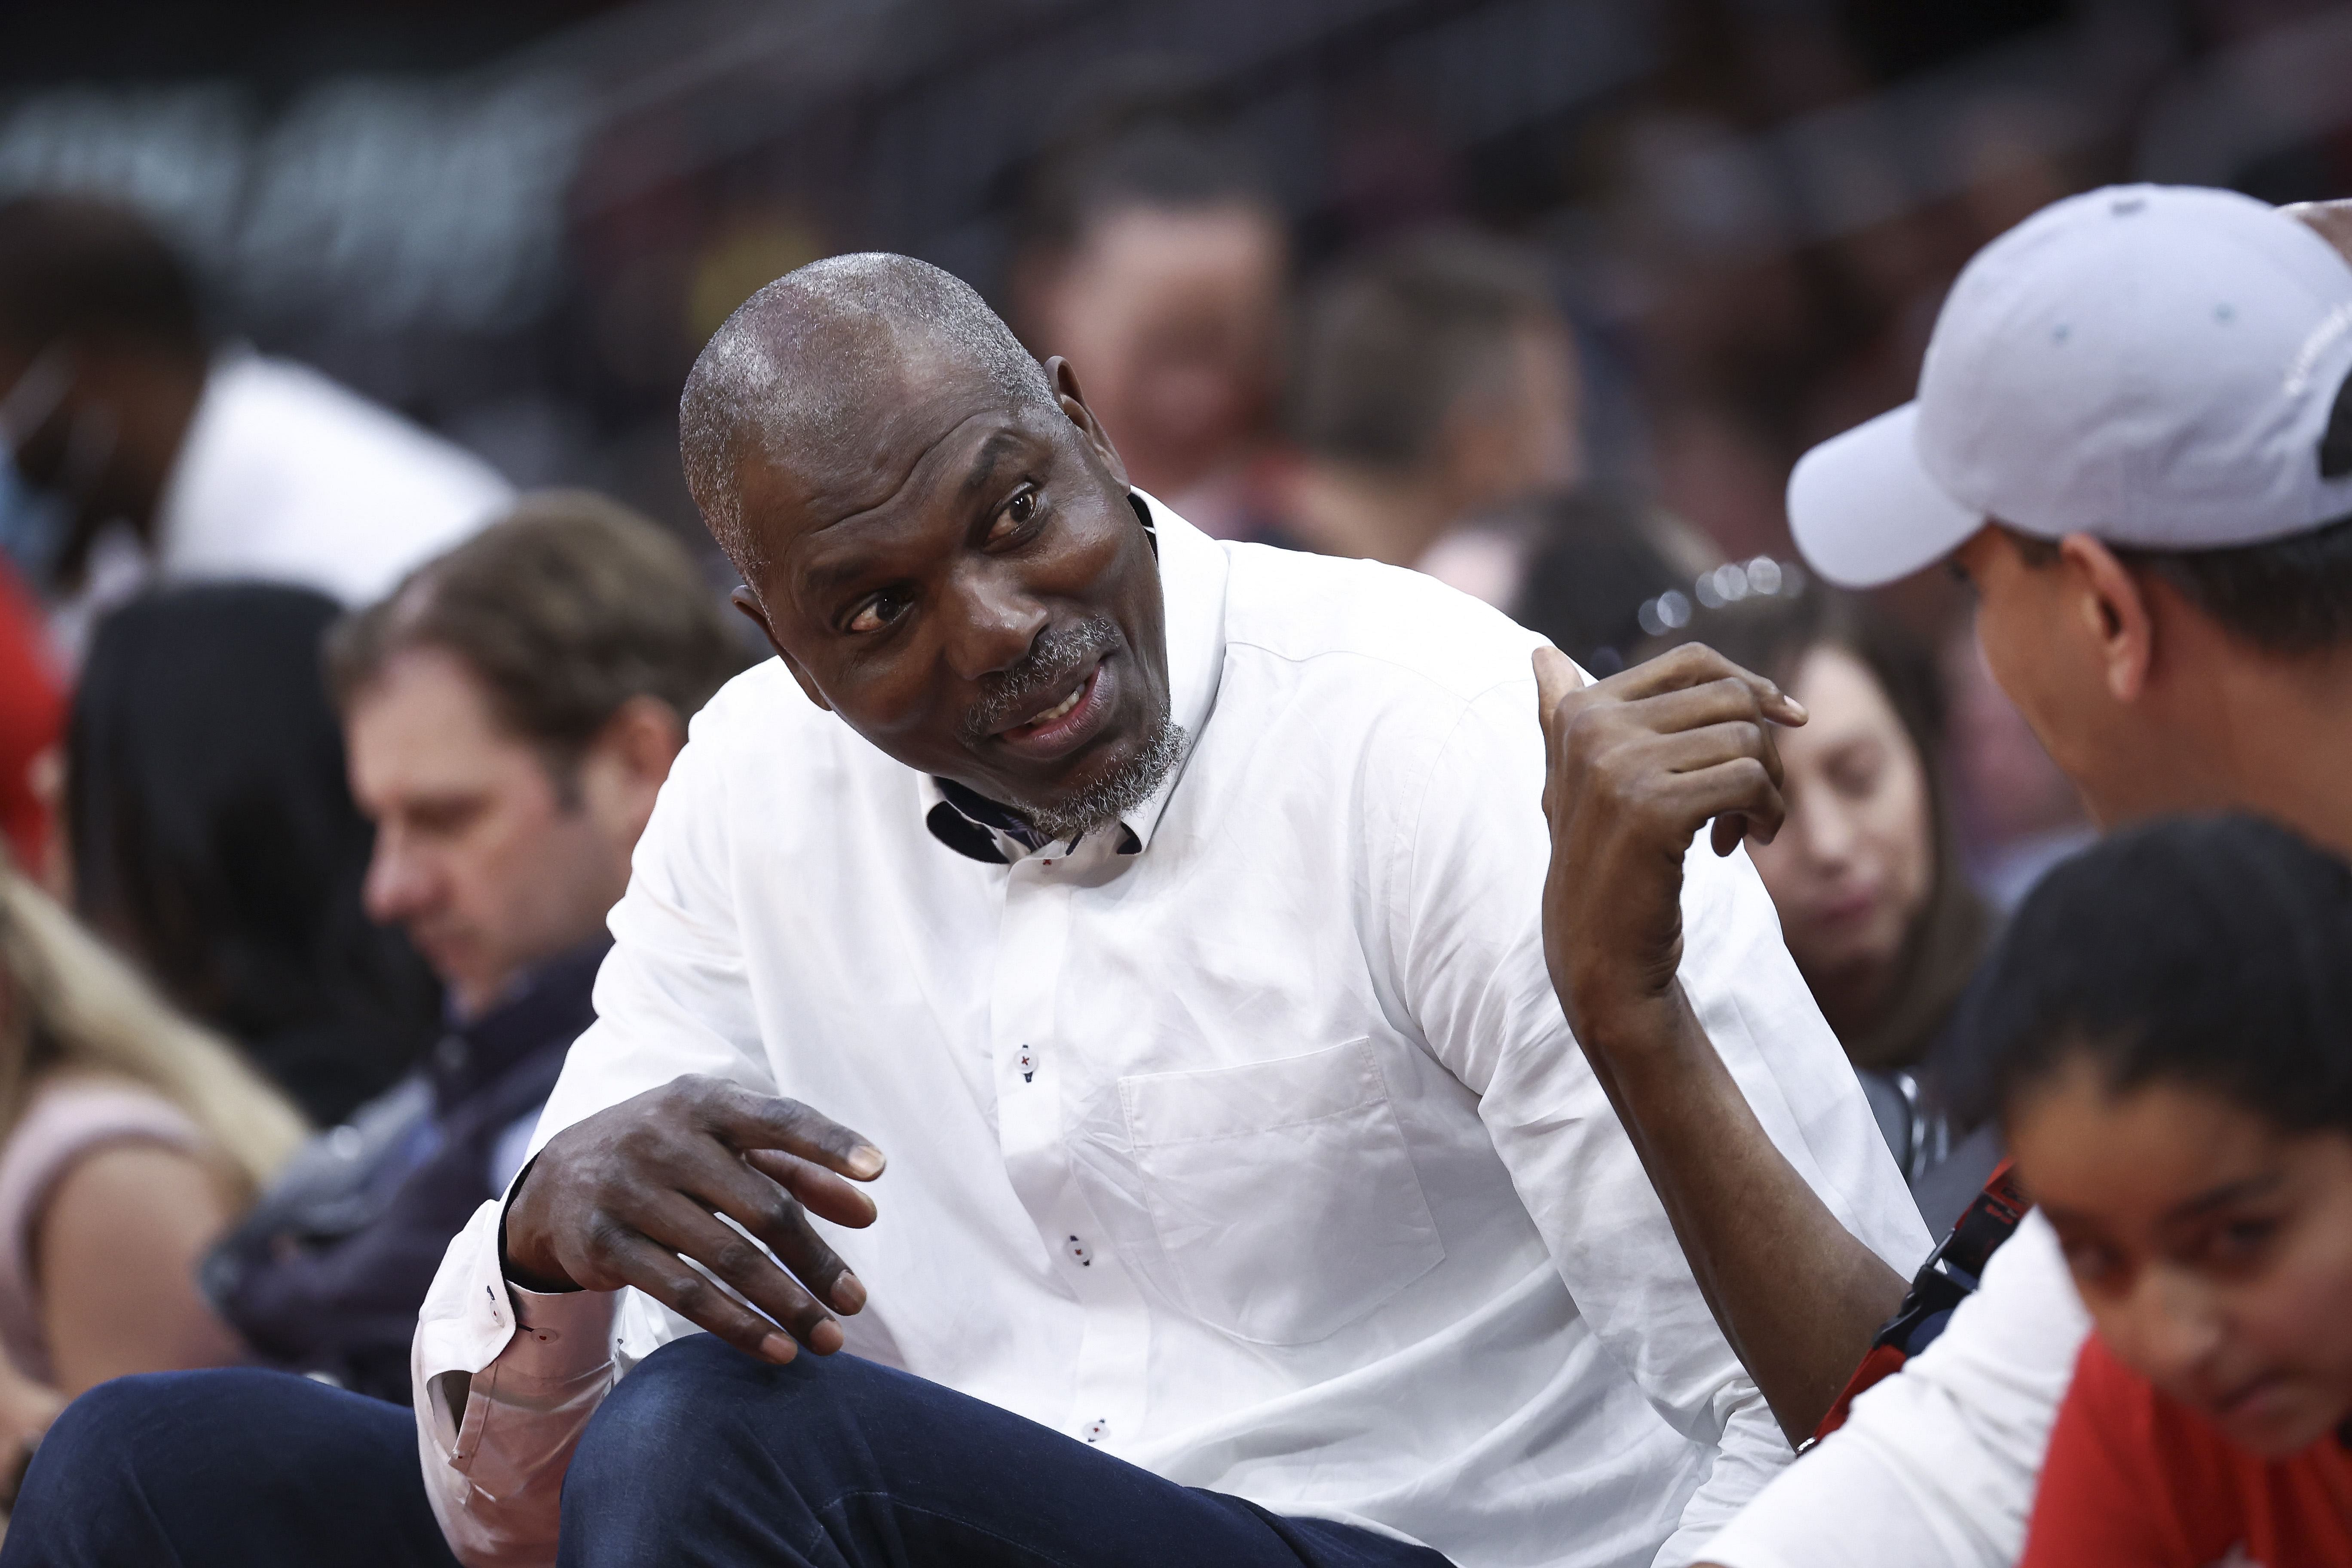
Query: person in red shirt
(32, 722)
(2136, 1476)
(2169, 1031)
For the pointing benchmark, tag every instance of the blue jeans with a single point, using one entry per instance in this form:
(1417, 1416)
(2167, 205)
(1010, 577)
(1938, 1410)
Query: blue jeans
(181, 1469)
(702, 1456)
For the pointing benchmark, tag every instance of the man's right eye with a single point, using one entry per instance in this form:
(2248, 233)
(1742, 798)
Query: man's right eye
(877, 613)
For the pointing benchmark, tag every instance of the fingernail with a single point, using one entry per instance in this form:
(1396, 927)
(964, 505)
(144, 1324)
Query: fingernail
(866, 1161)
(825, 1338)
(1795, 707)
(778, 1348)
(848, 1293)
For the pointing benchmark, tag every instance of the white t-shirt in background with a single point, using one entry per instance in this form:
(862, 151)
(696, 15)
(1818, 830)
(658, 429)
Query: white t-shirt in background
(286, 476)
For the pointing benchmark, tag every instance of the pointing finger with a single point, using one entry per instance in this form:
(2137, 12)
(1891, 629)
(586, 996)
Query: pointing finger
(1556, 677)
(749, 1120)
(1695, 665)
(820, 1191)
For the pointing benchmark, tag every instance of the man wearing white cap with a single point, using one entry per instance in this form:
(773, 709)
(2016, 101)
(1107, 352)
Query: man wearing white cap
(2134, 436)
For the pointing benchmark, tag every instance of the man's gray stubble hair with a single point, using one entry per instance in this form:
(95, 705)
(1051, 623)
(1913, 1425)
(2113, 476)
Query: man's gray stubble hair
(786, 371)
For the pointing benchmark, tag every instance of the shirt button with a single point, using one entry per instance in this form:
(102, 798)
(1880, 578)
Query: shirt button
(1082, 1253)
(1028, 1064)
(1096, 1431)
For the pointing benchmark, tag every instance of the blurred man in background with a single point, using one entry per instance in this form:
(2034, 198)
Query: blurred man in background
(1158, 261)
(139, 451)
(1437, 385)
(511, 713)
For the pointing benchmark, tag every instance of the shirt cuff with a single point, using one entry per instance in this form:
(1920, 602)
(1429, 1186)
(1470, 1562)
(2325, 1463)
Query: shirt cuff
(559, 1335)
(506, 1380)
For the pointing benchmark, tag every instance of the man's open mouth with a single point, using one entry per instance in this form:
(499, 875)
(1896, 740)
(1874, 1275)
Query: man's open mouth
(1046, 717)
(1065, 720)
(1063, 706)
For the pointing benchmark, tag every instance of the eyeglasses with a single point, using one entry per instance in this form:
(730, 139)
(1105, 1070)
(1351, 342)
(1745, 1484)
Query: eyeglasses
(1762, 577)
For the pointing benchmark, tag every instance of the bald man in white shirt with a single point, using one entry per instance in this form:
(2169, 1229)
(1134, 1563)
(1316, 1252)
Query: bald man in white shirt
(1166, 912)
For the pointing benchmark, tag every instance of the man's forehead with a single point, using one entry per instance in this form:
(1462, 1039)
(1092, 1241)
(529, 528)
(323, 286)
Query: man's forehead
(879, 450)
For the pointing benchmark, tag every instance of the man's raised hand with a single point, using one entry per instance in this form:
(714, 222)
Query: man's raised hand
(627, 1196)
(1634, 765)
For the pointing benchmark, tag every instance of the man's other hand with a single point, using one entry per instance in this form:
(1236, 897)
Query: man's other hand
(627, 1196)
(1635, 765)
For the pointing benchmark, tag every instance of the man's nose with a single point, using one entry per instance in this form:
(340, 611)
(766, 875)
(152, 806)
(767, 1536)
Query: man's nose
(995, 621)
(398, 882)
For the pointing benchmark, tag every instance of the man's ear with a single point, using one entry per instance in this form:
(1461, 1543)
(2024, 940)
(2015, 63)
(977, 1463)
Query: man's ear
(2114, 610)
(2332, 221)
(619, 774)
(645, 735)
(628, 759)
(743, 599)
(1074, 403)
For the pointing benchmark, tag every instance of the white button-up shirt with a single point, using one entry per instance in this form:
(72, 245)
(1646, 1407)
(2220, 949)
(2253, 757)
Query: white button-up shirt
(1246, 1142)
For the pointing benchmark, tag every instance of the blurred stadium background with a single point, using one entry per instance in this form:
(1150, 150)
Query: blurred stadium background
(518, 220)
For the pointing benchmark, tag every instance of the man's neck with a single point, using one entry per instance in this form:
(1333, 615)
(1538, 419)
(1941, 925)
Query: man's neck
(470, 1004)
(1344, 510)
(2281, 735)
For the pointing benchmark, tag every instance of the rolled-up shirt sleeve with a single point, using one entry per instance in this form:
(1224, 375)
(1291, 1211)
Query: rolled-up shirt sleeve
(505, 1380)
(1470, 950)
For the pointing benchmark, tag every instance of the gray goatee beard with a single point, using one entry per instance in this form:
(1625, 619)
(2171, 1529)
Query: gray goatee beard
(1116, 794)
(1059, 654)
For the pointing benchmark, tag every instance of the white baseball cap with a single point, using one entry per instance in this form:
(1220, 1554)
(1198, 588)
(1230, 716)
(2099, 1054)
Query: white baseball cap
(2157, 366)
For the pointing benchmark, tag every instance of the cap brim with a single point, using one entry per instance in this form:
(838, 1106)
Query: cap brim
(1864, 510)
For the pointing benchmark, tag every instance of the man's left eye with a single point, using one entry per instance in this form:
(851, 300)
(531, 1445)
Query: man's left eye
(1018, 514)
(877, 613)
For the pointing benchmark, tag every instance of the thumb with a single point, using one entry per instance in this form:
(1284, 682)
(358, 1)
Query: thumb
(1556, 677)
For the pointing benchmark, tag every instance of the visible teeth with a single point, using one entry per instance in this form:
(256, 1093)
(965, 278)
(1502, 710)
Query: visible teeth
(1058, 709)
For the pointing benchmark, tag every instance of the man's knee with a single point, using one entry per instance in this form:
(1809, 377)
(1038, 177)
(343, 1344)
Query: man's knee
(211, 1466)
(676, 1417)
(88, 1481)
(698, 1419)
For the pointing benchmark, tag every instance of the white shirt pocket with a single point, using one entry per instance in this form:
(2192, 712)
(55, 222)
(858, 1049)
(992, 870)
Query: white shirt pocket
(1283, 1192)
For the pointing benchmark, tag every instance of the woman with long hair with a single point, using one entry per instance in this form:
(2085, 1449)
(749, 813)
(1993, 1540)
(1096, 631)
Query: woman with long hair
(128, 1140)
(1865, 872)
(214, 841)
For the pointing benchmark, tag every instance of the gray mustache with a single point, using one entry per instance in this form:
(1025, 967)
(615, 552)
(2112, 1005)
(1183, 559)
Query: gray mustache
(1054, 656)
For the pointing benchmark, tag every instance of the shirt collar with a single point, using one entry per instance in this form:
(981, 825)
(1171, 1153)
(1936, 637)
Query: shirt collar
(547, 1003)
(1193, 599)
